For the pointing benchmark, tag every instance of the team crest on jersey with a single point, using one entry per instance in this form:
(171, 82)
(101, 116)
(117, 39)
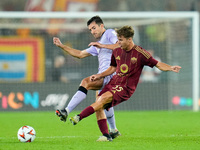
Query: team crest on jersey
(133, 60)
(117, 58)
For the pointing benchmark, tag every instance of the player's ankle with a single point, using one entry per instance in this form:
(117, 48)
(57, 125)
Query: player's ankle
(113, 130)
(67, 110)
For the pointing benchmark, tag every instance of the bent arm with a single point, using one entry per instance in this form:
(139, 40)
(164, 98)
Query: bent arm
(69, 50)
(75, 53)
(165, 67)
(108, 72)
(107, 46)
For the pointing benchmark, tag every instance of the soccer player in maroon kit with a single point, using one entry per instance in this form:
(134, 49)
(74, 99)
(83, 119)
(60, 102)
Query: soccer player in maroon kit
(128, 61)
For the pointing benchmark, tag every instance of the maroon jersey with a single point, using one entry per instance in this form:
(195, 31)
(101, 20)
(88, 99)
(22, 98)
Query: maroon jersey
(129, 65)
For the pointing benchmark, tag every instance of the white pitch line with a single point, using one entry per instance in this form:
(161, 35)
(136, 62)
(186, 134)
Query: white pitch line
(52, 137)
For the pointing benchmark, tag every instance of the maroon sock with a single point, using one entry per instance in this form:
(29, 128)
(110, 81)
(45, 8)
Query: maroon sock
(86, 112)
(103, 126)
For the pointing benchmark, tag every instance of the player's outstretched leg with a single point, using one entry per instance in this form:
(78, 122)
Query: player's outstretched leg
(85, 113)
(62, 114)
(78, 97)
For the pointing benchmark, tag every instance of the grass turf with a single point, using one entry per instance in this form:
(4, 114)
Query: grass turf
(141, 130)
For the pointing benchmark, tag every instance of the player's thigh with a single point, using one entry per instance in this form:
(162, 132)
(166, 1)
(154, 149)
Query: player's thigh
(102, 100)
(106, 98)
(92, 85)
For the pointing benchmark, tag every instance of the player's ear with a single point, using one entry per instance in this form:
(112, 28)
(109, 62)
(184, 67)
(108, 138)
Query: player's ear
(102, 25)
(130, 39)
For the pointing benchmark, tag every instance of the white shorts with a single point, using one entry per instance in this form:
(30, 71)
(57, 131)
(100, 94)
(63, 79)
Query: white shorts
(106, 80)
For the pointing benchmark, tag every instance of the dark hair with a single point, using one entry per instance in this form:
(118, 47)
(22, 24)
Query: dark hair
(95, 19)
(125, 31)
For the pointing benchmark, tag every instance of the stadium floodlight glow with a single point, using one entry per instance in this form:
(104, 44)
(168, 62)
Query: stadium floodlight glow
(194, 16)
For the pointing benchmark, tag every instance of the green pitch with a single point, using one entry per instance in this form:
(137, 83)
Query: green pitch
(153, 130)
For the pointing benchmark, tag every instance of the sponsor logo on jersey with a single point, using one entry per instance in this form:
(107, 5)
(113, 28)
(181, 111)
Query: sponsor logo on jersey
(117, 58)
(124, 68)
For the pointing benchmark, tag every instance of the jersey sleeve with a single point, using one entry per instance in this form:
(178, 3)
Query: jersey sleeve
(112, 36)
(148, 60)
(113, 61)
(151, 62)
(92, 50)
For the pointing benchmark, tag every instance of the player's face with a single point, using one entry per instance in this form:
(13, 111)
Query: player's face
(96, 30)
(124, 42)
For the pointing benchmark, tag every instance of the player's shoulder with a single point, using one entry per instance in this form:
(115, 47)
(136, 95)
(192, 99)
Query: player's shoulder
(110, 31)
(117, 49)
(142, 51)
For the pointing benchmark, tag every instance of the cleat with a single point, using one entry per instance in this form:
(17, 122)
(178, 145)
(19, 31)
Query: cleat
(104, 139)
(74, 120)
(62, 114)
(115, 134)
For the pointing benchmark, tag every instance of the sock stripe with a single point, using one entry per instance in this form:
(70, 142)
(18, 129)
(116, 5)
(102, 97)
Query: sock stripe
(82, 89)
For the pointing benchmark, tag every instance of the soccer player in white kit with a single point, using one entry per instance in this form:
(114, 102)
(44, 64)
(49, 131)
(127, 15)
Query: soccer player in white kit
(103, 49)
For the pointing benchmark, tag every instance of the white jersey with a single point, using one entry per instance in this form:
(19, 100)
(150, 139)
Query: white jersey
(104, 54)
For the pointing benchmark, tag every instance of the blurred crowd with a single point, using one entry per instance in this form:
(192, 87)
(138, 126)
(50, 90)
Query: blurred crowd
(56, 60)
(108, 5)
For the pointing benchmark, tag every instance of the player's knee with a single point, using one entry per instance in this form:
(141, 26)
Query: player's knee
(99, 104)
(85, 83)
(105, 99)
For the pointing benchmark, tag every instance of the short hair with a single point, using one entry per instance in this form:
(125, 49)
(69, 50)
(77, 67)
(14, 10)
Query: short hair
(125, 31)
(95, 19)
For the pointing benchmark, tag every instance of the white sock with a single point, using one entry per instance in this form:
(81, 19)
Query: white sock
(110, 118)
(78, 97)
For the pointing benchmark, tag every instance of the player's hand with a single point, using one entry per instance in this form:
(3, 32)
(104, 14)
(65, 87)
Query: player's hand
(175, 68)
(95, 77)
(96, 44)
(57, 42)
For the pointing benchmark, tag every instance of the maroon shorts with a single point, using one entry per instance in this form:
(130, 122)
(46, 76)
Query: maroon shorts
(120, 94)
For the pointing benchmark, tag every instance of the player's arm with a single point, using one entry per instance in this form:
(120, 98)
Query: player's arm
(108, 46)
(165, 67)
(69, 50)
(108, 72)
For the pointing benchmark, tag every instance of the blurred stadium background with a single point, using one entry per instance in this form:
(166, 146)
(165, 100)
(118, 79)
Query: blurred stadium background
(36, 75)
